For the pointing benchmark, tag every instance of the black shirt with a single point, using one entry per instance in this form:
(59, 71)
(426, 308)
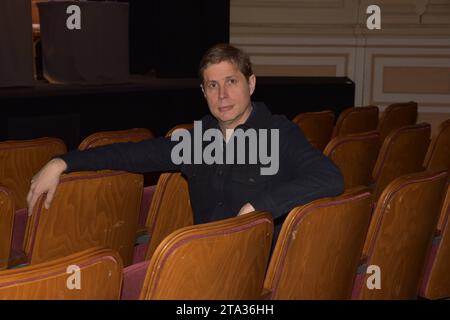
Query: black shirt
(218, 191)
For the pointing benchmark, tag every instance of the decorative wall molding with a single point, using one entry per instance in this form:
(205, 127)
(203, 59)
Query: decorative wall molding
(408, 59)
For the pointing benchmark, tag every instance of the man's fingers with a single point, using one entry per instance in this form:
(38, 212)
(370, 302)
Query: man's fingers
(29, 197)
(49, 198)
(32, 202)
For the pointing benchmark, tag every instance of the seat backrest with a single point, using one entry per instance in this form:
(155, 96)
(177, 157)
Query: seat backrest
(395, 116)
(319, 248)
(92, 274)
(355, 155)
(402, 152)
(170, 209)
(7, 210)
(226, 259)
(438, 154)
(356, 120)
(186, 126)
(21, 159)
(107, 137)
(316, 126)
(88, 209)
(400, 234)
(436, 281)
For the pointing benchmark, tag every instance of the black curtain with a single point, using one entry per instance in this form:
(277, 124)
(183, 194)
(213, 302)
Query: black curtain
(168, 37)
(16, 53)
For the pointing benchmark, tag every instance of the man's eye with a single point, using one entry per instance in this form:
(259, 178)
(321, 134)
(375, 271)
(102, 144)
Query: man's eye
(212, 85)
(232, 81)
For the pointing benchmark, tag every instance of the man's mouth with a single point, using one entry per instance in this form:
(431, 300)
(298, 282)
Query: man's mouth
(225, 108)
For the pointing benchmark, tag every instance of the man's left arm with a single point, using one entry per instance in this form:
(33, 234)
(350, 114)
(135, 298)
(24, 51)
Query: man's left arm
(312, 176)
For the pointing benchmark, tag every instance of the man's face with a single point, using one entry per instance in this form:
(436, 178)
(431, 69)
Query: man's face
(228, 92)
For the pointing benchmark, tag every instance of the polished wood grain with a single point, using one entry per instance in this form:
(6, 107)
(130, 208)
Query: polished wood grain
(437, 280)
(186, 126)
(356, 120)
(88, 209)
(402, 152)
(100, 273)
(400, 234)
(396, 116)
(7, 210)
(226, 259)
(316, 126)
(171, 206)
(170, 209)
(107, 137)
(20, 160)
(319, 247)
(355, 155)
(438, 154)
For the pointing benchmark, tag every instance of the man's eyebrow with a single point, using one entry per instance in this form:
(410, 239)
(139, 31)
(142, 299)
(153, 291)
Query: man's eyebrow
(225, 78)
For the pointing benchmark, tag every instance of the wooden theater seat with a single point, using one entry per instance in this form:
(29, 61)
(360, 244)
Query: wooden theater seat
(436, 277)
(356, 120)
(396, 116)
(6, 225)
(400, 235)
(226, 259)
(438, 155)
(402, 152)
(355, 155)
(316, 126)
(107, 137)
(186, 126)
(169, 209)
(88, 209)
(21, 159)
(130, 135)
(319, 247)
(99, 271)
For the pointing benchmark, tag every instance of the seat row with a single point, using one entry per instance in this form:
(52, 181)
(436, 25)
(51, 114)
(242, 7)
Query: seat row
(319, 127)
(170, 192)
(332, 248)
(363, 160)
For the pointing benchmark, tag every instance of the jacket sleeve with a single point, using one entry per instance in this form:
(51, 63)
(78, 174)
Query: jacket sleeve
(313, 176)
(145, 156)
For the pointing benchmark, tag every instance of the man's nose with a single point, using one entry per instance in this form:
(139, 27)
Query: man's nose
(223, 92)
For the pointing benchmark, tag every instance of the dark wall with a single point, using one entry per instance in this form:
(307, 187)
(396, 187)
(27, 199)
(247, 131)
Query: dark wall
(168, 37)
(73, 112)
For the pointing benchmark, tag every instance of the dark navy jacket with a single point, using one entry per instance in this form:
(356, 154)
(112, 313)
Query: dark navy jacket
(219, 191)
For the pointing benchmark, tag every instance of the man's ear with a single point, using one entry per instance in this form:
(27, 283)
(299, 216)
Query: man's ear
(252, 83)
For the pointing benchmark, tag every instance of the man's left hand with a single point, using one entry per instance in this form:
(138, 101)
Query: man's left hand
(246, 209)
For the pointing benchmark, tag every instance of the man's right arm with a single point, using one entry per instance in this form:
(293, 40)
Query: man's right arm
(144, 156)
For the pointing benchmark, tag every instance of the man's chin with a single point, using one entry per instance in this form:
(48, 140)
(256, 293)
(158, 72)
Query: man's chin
(226, 120)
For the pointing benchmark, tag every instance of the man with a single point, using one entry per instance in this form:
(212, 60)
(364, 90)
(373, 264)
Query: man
(220, 190)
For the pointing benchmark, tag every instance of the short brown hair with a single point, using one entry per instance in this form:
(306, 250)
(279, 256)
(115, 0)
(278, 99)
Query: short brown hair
(226, 52)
